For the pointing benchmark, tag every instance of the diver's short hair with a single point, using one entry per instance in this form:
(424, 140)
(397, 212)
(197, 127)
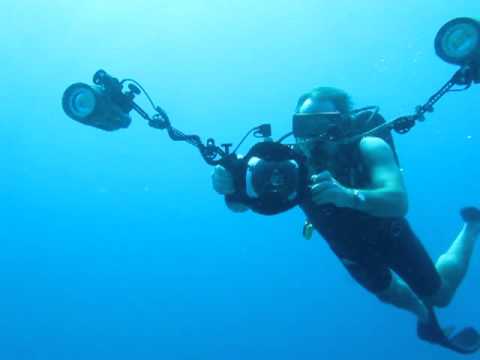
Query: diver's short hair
(340, 98)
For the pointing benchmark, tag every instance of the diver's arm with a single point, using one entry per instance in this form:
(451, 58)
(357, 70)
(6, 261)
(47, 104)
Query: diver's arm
(387, 196)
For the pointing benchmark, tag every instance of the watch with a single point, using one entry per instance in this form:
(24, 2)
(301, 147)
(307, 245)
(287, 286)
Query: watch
(358, 199)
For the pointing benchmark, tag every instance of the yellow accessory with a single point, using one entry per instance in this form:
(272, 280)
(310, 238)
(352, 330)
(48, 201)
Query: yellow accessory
(307, 230)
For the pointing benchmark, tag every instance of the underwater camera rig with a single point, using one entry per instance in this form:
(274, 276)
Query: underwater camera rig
(271, 177)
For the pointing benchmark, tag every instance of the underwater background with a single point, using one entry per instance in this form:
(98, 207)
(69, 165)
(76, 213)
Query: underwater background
(115, 246)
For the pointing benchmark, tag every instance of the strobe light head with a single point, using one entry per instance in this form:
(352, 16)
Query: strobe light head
(458, 41)
(93, 106)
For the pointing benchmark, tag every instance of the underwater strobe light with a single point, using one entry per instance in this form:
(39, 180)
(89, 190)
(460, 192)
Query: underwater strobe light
(102, 105)
(458, 42)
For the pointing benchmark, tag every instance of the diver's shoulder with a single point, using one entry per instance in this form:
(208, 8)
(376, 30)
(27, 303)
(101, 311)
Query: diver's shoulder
(372, 146)
(373, 143)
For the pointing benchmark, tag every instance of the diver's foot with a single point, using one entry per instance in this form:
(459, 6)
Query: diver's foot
(430, 330)
(471, 216)
(466, 341)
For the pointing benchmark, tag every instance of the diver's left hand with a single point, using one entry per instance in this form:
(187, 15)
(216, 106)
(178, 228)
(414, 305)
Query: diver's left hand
(326, 190)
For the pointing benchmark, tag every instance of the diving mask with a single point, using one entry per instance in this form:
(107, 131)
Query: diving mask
(320, 126)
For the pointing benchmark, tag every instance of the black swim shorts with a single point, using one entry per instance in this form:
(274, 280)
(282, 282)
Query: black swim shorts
(396, 248)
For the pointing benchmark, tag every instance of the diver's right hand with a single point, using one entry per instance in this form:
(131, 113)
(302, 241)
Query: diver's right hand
(222, 181)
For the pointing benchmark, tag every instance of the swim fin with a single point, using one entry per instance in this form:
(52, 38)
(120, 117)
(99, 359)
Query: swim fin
(466, 341)
(470, 214)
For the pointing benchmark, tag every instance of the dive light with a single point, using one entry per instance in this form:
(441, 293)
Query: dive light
(102, 105)
(458, 42)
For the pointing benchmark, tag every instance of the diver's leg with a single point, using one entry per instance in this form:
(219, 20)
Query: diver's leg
(400, 295)
(415, 273)
(379, 280)
(453, 265)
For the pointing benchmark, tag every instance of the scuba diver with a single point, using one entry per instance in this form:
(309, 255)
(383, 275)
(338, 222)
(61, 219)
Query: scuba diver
(342, 171)
(357, 202)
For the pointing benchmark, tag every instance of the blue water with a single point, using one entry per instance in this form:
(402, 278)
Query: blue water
(115, 246)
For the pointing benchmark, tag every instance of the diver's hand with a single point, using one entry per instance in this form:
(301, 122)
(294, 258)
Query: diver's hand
(222, 181)
(326, 190)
